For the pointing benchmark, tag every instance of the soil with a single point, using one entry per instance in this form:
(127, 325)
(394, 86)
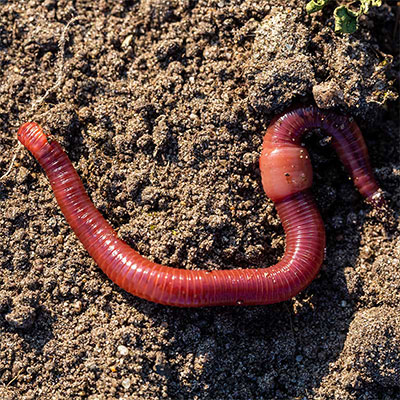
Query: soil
(162, 107)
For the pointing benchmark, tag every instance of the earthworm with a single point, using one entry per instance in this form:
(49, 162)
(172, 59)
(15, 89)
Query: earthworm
(286, 175)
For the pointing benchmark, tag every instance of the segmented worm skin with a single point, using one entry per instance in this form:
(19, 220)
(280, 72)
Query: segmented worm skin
(286, 176)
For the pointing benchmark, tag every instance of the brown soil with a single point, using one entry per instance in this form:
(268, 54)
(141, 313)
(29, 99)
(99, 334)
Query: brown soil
(162, 110)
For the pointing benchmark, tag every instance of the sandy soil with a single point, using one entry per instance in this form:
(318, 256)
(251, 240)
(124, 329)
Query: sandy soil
(162, 109)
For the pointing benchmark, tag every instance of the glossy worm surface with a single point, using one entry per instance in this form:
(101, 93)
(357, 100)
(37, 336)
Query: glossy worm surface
(286, 176)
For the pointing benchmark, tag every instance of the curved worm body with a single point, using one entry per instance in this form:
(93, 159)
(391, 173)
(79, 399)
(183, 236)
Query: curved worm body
(286, 176)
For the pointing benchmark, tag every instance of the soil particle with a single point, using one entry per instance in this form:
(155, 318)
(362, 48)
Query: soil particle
(372, 347)
(21, 317)
(162, 111)
(371, 355)
(279, 55)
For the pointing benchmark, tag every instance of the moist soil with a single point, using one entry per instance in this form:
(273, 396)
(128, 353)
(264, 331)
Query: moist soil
(162, 106)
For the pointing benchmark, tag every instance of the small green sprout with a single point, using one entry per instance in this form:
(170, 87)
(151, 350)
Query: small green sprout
(316, 5)
(346, 20)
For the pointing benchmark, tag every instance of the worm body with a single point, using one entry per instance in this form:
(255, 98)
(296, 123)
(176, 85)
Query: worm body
(286, 176)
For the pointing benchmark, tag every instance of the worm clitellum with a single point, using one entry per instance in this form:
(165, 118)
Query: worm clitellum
(286, 177)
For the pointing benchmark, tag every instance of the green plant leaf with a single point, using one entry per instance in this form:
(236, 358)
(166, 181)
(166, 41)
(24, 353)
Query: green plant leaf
(366, 4)
(346, 21)
(316, 5)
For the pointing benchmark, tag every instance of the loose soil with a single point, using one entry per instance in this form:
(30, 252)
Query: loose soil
(162, 109)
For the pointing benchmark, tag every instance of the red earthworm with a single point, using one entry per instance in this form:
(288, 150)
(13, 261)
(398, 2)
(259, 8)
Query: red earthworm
(286, 177)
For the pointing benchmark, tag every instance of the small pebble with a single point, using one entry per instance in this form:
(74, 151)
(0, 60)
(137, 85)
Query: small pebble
(77, 306)
(127, 41)
(92, 367)
(123, 350)
(126, 383)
